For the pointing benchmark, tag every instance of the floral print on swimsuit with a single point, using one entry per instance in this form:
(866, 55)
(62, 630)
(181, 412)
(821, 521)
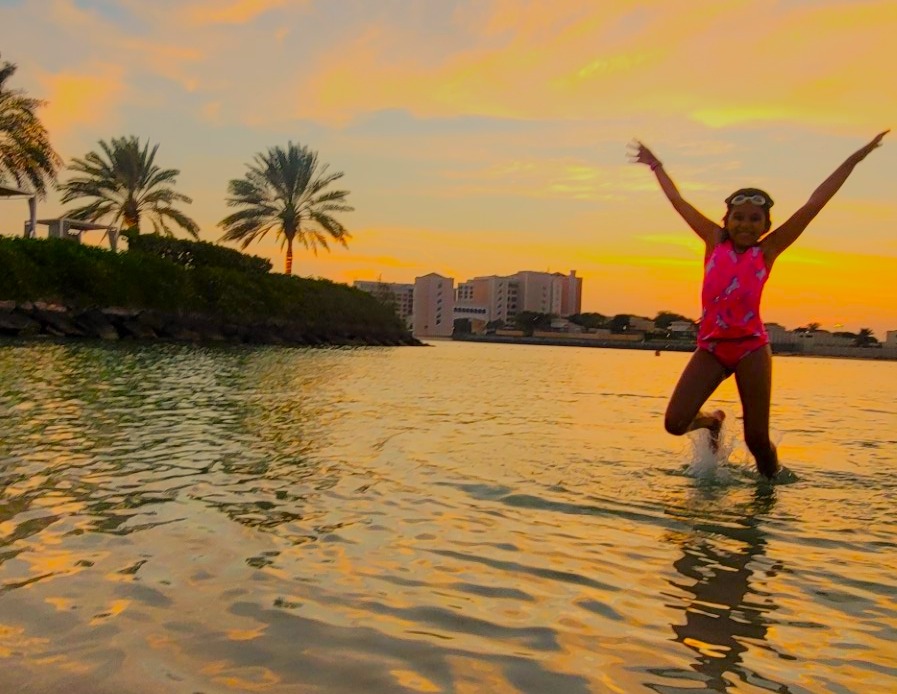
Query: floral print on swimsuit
(733, 288)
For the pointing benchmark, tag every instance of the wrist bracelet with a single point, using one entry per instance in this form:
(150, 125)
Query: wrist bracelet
(656, 165)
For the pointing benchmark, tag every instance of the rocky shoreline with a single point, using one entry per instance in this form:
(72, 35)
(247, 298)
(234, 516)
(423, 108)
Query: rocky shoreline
(36, 319)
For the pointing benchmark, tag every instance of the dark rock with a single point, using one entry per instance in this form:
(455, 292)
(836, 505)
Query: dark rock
(136, 329)
(56, 321)
(205, 328)
(234, 332)
(154, 320)
(95, 323)
(47, 306)
(14, 324)
(119, 313)
(181, 333)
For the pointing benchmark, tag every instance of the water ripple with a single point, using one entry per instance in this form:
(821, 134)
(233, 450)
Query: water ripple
(178, 518)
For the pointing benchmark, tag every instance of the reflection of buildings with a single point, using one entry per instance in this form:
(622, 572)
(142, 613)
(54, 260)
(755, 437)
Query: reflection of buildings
(724, 612)
(432, 303)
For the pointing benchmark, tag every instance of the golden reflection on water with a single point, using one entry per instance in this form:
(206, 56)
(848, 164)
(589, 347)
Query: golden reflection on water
(461, 518)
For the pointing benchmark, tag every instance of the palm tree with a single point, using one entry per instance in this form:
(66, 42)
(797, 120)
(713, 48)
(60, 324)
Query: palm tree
(126, 185)
(284, 190)
(26, 155)
(865, 337)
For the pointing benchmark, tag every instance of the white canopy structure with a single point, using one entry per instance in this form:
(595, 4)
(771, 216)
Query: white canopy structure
(30, 225)
(68, 228)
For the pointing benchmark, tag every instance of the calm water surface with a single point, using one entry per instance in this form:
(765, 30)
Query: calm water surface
(462, 518)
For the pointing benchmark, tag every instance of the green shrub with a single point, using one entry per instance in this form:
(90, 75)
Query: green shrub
(62, 271)
(196, 254)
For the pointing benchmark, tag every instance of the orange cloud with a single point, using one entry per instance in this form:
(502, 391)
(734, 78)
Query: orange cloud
(578, 60)
(551, 178)
(80, 98)
(233, 12)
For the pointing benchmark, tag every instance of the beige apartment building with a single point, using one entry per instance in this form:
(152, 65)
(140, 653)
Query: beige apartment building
(400, 296)
(571, 294)
(430, 306)
(540, 292)
(434, 306)
(495, 298)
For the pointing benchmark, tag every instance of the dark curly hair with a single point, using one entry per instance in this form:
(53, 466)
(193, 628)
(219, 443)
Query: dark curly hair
(749, 192)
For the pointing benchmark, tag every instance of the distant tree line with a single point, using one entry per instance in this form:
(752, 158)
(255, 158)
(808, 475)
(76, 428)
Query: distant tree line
(530, 321)
(864, 338)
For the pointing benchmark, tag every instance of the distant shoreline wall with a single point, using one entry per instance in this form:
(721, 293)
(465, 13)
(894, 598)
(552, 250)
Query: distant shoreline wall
(800, 350)
(880, 353)
(580, 342)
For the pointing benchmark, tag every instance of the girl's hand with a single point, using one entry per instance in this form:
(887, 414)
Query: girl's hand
(639, 154)
(863, 152)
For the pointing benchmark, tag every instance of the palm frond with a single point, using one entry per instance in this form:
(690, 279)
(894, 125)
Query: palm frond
(283, 190)
(128, 186)
(26, 155)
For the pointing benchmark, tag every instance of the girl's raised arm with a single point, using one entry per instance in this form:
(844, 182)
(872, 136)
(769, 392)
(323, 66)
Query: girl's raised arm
(793, 227)
(702, 226)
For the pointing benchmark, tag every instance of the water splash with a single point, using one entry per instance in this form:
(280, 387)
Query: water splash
(731, 463)
(708, 465)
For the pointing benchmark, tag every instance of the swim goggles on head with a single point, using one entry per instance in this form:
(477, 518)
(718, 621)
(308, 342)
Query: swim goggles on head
(758, 200)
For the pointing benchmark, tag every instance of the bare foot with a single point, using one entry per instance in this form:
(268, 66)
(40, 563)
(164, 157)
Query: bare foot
(769, 470)
(715, 429)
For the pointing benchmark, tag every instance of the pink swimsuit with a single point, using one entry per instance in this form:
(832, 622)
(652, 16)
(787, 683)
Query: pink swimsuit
(731, 327)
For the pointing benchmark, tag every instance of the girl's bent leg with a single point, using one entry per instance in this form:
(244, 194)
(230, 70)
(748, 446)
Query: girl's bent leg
(700, 378)
(753, 376)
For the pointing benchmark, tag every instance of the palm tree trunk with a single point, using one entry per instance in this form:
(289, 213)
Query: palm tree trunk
(289, 269)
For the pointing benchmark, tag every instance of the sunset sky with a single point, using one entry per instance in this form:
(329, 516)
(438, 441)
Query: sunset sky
(489, 136)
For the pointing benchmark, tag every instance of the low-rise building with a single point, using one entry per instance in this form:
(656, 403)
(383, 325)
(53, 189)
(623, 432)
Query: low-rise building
(823, 338)
(639, 323)
(683, 328)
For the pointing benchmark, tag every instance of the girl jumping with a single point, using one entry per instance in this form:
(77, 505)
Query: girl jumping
(738, 258)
